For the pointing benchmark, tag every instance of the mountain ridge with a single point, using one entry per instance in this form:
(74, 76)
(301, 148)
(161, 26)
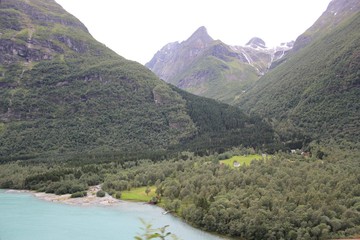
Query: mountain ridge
(65, 94)
(211, 68)
(331, 17)
(315, 90)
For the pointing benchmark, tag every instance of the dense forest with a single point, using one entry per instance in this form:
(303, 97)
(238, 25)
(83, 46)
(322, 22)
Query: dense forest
(284, 196)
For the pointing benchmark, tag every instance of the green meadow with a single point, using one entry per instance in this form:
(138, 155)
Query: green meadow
(243, 160)
(138, 194)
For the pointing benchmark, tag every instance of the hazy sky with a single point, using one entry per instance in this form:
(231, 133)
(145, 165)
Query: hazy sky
(137, 29)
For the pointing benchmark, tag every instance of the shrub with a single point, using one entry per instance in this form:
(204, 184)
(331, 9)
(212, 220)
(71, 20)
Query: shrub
(118, 195)
(111, 192)
(79, 194)
(100, 193)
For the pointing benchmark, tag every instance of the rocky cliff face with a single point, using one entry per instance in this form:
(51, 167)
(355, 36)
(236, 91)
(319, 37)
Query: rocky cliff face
(212, 68)
(20, 20)
(175, 57)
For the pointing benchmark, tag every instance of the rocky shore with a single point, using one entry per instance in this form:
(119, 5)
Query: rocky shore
(90, 199)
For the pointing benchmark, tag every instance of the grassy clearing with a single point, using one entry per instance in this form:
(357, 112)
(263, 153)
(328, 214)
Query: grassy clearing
(138, 194)
(243, 160)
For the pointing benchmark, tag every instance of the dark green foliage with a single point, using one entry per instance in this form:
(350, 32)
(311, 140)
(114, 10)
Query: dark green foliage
(100, 193)
(64, 187)
(221, 125)
(117, 195)
(79, 194)
(7, 184)
(50, 176)
(286, 197)
(90, 179)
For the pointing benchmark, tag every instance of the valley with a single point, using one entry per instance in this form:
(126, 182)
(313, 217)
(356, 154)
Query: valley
(246, 142)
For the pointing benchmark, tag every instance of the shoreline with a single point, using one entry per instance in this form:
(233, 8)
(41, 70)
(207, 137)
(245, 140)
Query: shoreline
(90, 200)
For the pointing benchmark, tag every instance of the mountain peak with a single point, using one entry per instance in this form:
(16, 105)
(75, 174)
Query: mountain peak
(200, 34)
(256, 42)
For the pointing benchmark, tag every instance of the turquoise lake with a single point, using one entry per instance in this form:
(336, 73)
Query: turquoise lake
(24, 217)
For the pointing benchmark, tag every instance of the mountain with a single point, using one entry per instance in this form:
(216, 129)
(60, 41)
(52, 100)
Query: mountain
(316, 89)
(213, 69)
(65, 94)
(334, 15)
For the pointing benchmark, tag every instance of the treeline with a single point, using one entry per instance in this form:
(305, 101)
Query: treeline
(286, 196)
(224, 126)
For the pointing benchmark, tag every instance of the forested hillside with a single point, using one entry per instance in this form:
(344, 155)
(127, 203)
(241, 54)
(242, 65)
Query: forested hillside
(316, 89)
(64, 93)
(74, 114)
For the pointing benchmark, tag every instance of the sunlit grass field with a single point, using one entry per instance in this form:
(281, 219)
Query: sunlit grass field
(243, 160)
(138, 194)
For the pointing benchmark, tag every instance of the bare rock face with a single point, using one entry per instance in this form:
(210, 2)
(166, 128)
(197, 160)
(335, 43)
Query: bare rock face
(159, 62)
(35, 43)
(256, 42)
(11, 51)
(199, 39)
(174, 57)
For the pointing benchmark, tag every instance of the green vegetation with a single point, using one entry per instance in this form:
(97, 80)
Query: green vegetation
(79, 194)
(217, 75)
(100, 193)
(139, 194)
(287, 196)
(242, 160)
(316, 90)
(68, 97)
(150, 233)
(73, 114)
(216, 70)
(223, 126)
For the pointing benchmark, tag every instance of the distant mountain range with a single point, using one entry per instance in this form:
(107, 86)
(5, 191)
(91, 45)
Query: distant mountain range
(211, 68)
(65, 94)
(310, 86)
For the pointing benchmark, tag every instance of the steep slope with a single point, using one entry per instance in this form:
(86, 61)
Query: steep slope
(211, 68)
(62, 92)
(335, 13)
(180, 55)
(317, 88)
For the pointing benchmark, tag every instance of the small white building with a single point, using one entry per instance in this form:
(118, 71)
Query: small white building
(236, 164)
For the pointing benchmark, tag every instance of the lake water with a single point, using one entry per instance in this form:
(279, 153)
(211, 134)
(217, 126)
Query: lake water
(24, 217)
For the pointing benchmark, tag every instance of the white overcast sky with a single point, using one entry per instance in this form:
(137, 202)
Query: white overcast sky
(137, 29)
